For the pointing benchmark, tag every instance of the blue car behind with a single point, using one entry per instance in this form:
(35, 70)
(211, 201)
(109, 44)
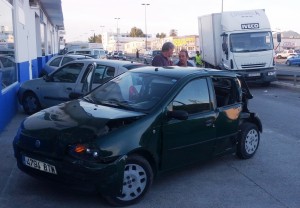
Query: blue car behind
(294, 60)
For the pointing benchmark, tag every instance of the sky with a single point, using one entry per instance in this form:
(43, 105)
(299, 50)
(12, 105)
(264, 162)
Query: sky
(84, 18)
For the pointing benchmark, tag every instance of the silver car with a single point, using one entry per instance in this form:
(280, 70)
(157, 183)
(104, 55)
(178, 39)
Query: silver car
(57, 87)
(60, 60)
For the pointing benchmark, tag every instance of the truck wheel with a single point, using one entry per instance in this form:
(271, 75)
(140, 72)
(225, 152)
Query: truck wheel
(138, 177)
(30, 103)
(248, 141)
(279, 57)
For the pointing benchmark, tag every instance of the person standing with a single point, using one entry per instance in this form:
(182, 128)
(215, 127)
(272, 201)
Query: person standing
(183, 58)
(198, 59)
(164, 58)
(137, 53)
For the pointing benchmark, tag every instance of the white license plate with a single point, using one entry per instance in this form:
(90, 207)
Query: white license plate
(42, 166)
(254, 75)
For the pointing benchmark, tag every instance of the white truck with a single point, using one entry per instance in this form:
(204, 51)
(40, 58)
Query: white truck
(239, 41)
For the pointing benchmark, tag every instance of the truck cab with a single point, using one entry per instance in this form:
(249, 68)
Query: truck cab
(242, 42)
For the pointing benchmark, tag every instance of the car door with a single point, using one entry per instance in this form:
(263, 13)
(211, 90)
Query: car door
(229, 107)
(187, 141)
(101, 74)
(60, 84)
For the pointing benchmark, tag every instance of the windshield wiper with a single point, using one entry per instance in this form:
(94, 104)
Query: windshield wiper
(88, 99)
(116, 103)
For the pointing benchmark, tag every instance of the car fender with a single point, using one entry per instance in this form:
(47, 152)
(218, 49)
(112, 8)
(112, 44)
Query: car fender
(252, 118)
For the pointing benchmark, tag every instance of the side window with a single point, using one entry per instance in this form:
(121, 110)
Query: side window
(7, 62)
(109, 74)
(66, 60)
(55, 62)
(193, 98)
(68, 73)
(226, 91)
(99, 73)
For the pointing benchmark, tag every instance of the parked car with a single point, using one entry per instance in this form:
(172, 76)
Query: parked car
(60, 60)
(56, 87)
(120, 56)
(290, 56)
(285, 53)
(294, 60)
(135, 127)
(149, 55)
(93, 52)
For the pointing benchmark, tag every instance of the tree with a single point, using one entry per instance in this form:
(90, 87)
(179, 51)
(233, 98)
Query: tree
(136, 32)
(173, 32)
(95, 39)
(161, 35)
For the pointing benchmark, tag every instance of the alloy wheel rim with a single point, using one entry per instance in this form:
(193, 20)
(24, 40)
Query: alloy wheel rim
(251, 142)
(134, 182)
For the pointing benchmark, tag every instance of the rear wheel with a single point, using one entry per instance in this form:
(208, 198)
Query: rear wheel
(288, 63)
(248, 141)
(138, 177)
(30, 103)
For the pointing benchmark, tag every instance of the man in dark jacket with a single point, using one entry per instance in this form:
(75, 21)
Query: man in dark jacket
(164, 59)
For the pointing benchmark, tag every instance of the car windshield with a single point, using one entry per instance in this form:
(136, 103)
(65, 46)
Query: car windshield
(251, 42)
(132, 91)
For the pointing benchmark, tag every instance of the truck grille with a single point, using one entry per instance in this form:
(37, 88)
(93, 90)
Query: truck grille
(248, 66)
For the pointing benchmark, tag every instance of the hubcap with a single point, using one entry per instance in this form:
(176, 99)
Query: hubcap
(251, 142)
(134, 182)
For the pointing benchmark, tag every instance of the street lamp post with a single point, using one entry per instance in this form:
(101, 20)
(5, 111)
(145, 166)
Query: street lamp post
(146, 4)
(117, 18)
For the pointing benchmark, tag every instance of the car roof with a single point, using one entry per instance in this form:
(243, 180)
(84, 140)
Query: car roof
(106, 61)
(180, 72)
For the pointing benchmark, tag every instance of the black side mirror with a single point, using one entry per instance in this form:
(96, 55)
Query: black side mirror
(47, 78)
(225, 48)
(178, 114)
(279, 37)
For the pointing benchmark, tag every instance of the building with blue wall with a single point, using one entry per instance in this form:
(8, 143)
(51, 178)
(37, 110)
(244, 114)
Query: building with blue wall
(29, 36)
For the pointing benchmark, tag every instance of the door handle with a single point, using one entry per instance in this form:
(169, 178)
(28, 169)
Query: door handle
(210, 122)
(69, 88)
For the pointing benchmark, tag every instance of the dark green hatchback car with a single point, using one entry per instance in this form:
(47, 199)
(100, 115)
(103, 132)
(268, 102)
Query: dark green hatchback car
(147, 121)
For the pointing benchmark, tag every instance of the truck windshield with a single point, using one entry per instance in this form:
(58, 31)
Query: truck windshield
(251, 42)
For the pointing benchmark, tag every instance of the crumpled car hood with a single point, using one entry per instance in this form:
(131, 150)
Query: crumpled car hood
(78, 117)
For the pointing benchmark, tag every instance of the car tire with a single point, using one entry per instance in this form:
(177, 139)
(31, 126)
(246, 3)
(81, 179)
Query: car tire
(138, 177)
(248, 140)
(279, 57)
(288, 63)
(30, 103)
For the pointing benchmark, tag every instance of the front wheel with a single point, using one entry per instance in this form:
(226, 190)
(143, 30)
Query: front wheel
(138, 177)
(248, 141)
(30, 103)
(288, 63)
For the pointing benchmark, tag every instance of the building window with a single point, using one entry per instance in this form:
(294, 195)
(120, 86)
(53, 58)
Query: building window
(8, 67)
(42, 32)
